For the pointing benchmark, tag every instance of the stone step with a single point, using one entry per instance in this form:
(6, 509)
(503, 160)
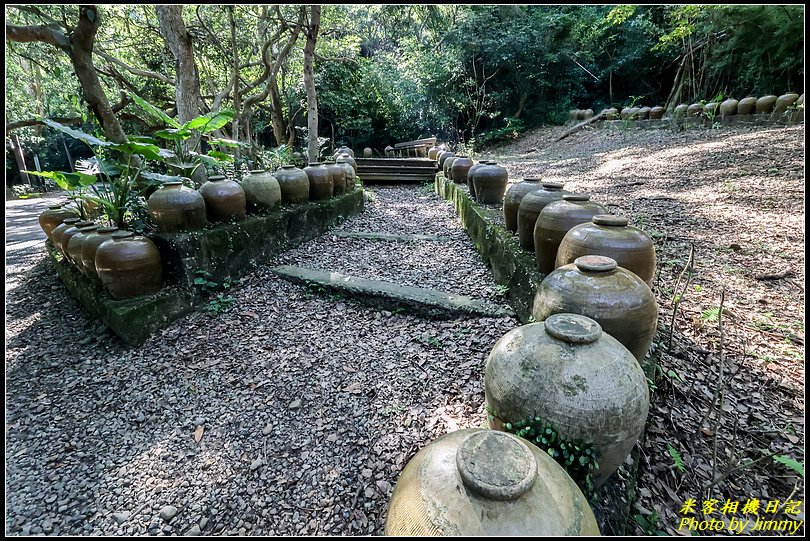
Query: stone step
(395, 162)
(389, 236)
(391, 296)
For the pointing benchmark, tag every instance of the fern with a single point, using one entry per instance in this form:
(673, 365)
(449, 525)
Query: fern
(791, 463)
(676, 456)
(711, 315)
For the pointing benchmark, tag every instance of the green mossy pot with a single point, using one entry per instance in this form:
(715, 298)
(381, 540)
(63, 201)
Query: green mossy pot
(765, 104)
(262, 191)
(530, 207)
(129, 265)
(747, 106)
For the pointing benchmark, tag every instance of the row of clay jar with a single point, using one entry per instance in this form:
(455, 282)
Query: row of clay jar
(175, 207)
(486, 179)
(127, 265)
(745, 106)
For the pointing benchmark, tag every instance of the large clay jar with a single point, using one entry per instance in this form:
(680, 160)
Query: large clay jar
(632, 114)
(555, 220)
(471, 176)
(338, 178)
(389, 151)
(783, 102)
(611, 113)
(443, 158)
(224, 199)
(321, 185)
(514, 195)
(656, 113)
(129, 265)
(765, 104)
(345, 149)
(68, 234)
(90, 247)
(711, 109)
(59, 230)
(587, 114)
(348, 171)
(461, 165)
(573, 114)
(74, 246)
(175, 207)
(610, 236)
(625, 113)
(568, 373)
(262, 191)
(432, 153)
(447, 169)
(349, 160)
(53, 217)
(728, 107)
(747, 106)
(421, 152)
(594, 286)
(644, 113)
(294, 184)
(367, 153)
(680, 110)
(694, 110)
(477, 482)
(490, 183)
(530, 207)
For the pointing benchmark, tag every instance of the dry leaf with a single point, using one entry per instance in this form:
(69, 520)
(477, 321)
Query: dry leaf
(198, 434)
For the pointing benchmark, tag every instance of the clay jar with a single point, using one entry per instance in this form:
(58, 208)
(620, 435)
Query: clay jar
(443, 158)
(345, 149)
(490, 183)
(59, 230)
(611, 113)
(53, 217)
(348, 171)
(262, 191)
(680, 110)
(448, 167)
(367, 153)
(175, 207)
(348, 159)
(90, 246)
(729, 107)
(128, 265)
(68, 234)
(765, 104)
(570, 374)
(643, 113)
(711, 109)
(596, 287)
(461, 165)
(432, 153)
(477, 482)
(338, 178)
(514, 195)
(471, 176)
(224, 199)
(74, 246)
(747, 106)
(530, 207)
(555, 220)
(656, 113)
(293, 183)
(389, 151)
(320, 181)
(694, 110)
(783, 102)
(625, 113)
(610, 236)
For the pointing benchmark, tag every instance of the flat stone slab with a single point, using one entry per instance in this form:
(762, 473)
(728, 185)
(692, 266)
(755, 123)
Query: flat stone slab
(388, 294)
(389, 236)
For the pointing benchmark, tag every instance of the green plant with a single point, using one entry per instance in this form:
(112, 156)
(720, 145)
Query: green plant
(648, 523)
(710, 315)
(501, 289)
(218, 301)
(791, 463)
(676, 457)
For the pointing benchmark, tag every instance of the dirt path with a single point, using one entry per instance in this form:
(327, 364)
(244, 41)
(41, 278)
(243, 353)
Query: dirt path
(737, 196)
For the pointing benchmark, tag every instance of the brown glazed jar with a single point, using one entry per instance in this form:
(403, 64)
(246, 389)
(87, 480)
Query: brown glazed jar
(632, 114)
(614, 297)
(643, 113)
(729, 107)
(490, 183)
(448, 167)
(53, 217)
(294, 184)
(262, 191)
(345, 149)
(476, 482)
(320, 181)
(129, 265)
(224, 199)
(59, 230)
(624, 114)
(461, 165)
(711, 109)
(433, 152)
(348, 160)
(471, 176)
(348, 171)
(610, 236)
(421, 152)
(555, 220)
(514, 195)
(656, 113)
(74, 246)
(765, 104)
(90, 246)
(747, 106)
(696, 109)
(175, 207)
(443, 158)
(530, 207)
(783, 102)
(611, 113)
(338, 177)
(574, 376)
(680, 110)
(68, 234)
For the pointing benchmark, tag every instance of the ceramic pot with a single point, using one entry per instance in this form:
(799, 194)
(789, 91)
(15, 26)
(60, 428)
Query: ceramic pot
(747, 106)
(555, 220)
(632, 114)
(656, 113)
(625, 113)
(345, 149)
(389, 151)
(566, 372)
(59, 230)
(514, 195)
(448, 164)
(68, 234)
(711, 109)
(471, 176)
(338, 178)
(596, 287)
(367, 153)
(729, 107)
(611, 113)
(530, 207)
(610, 236)
(696, 109)
(443, 158)
(348, 171)
(90, 246)
(433, 152)
(293, 183)
(680, 110)
(53, 217)
(321, 185)
(783, 102)
(129, 265)
(490, 183)
(262, 191)
(643, 113)
(175, 207)
(477, 482)
(351, 161)
(765, 104)
(461, 165)
(224, 199)
(74, 245)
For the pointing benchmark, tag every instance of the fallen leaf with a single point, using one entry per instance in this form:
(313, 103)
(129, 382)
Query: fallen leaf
(198, 433)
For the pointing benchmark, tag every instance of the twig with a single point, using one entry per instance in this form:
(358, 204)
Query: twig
(638, 183)
(778, 276)
(720, 385)
(677, 298)
(738, 468)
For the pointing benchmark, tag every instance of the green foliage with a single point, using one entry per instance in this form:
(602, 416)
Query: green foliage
(218, 300)
(648, 523)
(676, 457)
(710, 315)
(791, 463)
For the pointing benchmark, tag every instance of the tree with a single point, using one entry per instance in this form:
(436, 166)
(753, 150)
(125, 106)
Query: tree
(312, 28)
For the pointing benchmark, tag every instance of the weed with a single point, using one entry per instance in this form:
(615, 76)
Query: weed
(220, 302)
(676, 457)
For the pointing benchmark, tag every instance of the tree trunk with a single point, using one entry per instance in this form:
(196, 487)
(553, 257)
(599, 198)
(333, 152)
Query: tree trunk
(235, 80)
(18, 155)
(309, 83)
(276, 115)
(521, 104)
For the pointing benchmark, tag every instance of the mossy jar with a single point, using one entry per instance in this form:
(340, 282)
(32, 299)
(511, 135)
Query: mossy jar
(530, 208)
(54, 216)
(129, 265)
(262, 191)
(514, 195)
(321, 185)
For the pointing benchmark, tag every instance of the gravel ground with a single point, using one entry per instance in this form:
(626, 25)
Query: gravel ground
(268, 419)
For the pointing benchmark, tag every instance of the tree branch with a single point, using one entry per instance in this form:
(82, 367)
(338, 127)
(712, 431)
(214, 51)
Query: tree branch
(46, 33)
(134, 70)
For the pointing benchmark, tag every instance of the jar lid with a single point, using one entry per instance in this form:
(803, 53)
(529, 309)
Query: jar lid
(496, 465)
(118, 235)
(84, 224)
(462, 156)
(595, 263)
(532, 180)
(106, 230)
(314, 164)
(216, 178)
(573, 328)
(56, 207)
(71, 221)
(492, 162)
(576, 197)
(553, 186)
(609, 220)
(91, 227)
(172, 184)
(256, 171)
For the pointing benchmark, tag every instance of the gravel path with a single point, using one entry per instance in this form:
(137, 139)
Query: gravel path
(291, 413)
